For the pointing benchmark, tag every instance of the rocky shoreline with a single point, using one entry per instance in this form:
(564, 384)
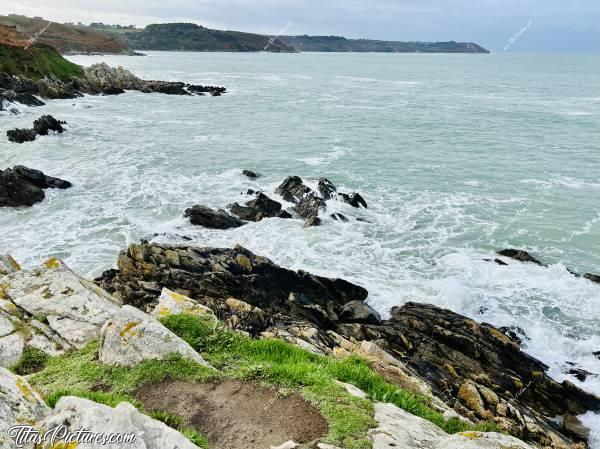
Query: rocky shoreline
(98, 79)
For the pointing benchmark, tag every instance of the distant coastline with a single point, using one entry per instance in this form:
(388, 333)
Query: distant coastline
(99, 38)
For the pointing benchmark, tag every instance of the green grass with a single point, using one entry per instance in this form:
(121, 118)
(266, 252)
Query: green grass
(37, 62)
(272, 362)
(31, 360)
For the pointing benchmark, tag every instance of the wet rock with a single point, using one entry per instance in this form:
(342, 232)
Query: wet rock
(520, 255)
(580, 374)
(28, 100)
(312, 221)
(292, 189)
(133, 336)
(309, 206)
(41, 126)
(22, 186)
(354, 199)
(76, 413)
(339, 217)
(257, 209)
(592, 277)
(21, 135)
(326, 189)
(359, 312)
(213, 219)
(47, 123)
(250, 174)
(575, 427)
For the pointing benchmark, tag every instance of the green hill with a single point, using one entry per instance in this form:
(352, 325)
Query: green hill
(37, 62)
(191, 37)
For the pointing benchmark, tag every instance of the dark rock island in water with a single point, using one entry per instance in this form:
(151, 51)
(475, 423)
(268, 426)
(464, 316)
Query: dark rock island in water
(22, 186)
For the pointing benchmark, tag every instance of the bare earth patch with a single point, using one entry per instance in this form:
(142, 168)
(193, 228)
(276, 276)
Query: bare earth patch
(236, 415)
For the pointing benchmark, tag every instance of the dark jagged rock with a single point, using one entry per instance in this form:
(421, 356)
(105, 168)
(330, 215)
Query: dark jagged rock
(21, 135)
(580, 374)
(250, 174)
(41, 126)
(213, 219)
(520, 255)
(222, 274)
(339, 217)
(359, 312)
(310, 205)
(29, 100)
(257, 209)
(312, 221)
(592, 277)
(22, 186)
(47, 123)
(354, 200)
(292, 189)
(326, 188)
(467, 362)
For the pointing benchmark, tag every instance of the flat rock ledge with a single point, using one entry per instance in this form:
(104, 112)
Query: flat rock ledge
(23, 186)
(468, 369)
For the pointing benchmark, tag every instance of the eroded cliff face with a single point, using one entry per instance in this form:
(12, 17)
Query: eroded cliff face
(474, 368)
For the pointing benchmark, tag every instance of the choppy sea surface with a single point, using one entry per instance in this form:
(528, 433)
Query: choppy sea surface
(456, 155)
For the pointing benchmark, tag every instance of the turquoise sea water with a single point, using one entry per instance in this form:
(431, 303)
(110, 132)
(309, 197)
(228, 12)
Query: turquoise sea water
(457, 156)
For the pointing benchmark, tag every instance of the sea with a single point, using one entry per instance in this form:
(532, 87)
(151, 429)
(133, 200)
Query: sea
(458, 156)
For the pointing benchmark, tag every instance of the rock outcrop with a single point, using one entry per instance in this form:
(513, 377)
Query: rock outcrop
(22, 186)
(98, 79)
(213, 219)
(473, 368)
(50, 308)
(260, 207)
(132, 336)
(41, 127)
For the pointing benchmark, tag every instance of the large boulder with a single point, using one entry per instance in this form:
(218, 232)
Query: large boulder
(19, 405)
(41, 126)
(213, 219)
(22, 186)
(73, 308)
(133, 336)
(125, 420)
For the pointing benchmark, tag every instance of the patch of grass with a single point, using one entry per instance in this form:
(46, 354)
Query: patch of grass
(31, 360)
(37, 62)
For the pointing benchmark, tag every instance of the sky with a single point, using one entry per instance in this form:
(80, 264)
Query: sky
(501, 26)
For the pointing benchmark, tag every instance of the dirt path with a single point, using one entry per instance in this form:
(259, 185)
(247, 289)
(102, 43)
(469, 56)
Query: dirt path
(235, 415)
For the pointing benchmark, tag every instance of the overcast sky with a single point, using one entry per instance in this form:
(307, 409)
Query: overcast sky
(554, 25)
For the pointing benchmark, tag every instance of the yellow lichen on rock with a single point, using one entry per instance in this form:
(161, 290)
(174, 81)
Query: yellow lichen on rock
(52, 263)
(244, 262)
(25, 389)
(128, 329)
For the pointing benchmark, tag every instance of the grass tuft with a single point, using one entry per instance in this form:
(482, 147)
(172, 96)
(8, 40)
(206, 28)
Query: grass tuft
(31, 360)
